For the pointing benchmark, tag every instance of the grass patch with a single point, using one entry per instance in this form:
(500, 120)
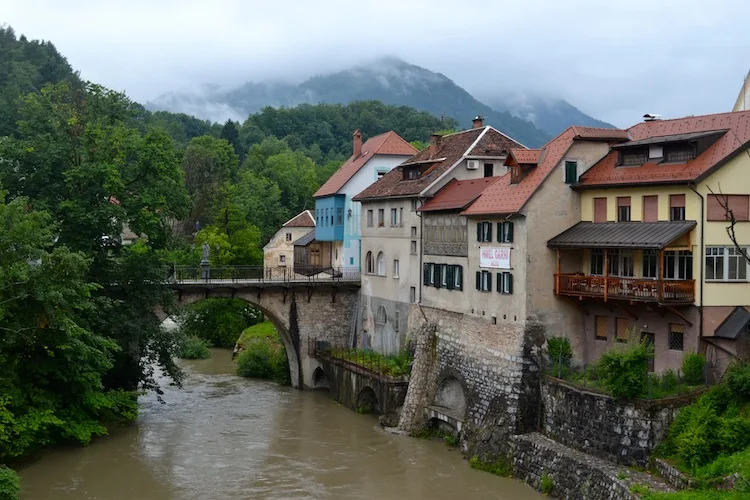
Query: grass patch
(435, 434)
(260, 331)
(500, 467)
(396, 365)
(193, 347)
(263, 355)
(546, 484)
(697, 495)
(10, 484)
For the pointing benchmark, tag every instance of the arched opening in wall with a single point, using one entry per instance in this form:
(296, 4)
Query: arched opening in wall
(381, 264)
(369, 264)
(450, 398)
(441, 428)
(320, 379)
(367, 401)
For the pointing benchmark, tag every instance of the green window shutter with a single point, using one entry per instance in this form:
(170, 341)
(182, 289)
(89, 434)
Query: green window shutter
(460, 279)
(479, 280)
(499, 232)
(489, 281)
(570, 172)
(509, 232)
(449, 272)
(438, 276)
(489, 231)
(426, 271)
(499, 277)
(479, 231)
(510, 282)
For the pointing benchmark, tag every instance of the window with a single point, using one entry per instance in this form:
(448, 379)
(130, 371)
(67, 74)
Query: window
(381, 264)
(678, 154)
(600, 209)
(413, 204)
(597, 262)
(288, 236)
(444, 275)
(396, 320)
(633, 158)
(600, 327)
(676, 337)
(340, 216)
(413, 247)
(676, 207)
(414, 231)
(395, 268)
(351, 261)
(369, 263)
(412, 294)
(282, 260)
(412, 173)
(678, 265)
(737, 204)
(381, 318)
(650, 264)
(622, 329)
(505, 283)
(623, 209)
(621, 263)
(458, 278)
(484, 231)
(571, 172)
(515, 174)
(381, 217)
(488, 169)
(326, 218)
(394, 217)
(381, 173)
(429, 274)
(484, 281)
(651, 208)
(725, 264)
(505, 232)
(369, 218)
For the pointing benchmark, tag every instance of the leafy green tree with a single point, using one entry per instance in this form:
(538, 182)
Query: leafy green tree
(230, 132)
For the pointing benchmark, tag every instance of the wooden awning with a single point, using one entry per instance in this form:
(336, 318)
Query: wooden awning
(643, 235)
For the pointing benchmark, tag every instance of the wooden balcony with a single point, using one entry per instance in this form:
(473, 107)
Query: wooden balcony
(631, 289)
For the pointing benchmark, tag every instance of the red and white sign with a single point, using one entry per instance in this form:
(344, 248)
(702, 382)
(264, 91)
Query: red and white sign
(494, 257)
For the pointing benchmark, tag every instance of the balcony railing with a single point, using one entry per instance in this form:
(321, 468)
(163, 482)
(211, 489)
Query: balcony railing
(616, 288)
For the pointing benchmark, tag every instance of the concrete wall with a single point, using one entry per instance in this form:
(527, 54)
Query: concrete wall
(279, 245)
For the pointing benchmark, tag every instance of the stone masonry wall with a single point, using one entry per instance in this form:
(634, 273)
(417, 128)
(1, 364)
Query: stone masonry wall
(623, 431)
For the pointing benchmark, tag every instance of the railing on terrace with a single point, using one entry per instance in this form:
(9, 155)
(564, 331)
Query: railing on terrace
(364, 360)
(612, 287)
(260, 274)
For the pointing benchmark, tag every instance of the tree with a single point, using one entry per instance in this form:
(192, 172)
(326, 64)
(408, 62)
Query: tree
(230, 133)
(723, 201)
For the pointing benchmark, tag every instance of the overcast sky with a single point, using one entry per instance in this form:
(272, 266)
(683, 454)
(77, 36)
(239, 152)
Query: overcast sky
(614, 60)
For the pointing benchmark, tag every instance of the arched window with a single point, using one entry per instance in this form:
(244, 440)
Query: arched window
(369, 263)
(381, 318)
(381, 264)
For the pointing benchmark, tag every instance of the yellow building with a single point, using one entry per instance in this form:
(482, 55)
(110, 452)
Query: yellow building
(652, 250)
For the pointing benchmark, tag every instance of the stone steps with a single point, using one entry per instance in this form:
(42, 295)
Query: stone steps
(576, 474)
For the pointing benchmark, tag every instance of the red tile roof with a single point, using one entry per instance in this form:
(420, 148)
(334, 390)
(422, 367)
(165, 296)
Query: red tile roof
(502, 197)
(526, 156)
(457, 194)
(485, 141)
(302, 219)
(389, 143)
(737, 126)
(602, 134)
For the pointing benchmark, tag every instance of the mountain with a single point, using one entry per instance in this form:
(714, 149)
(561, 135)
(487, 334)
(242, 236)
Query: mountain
(550, 114)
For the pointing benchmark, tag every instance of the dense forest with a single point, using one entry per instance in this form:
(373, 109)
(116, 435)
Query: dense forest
(79, 163)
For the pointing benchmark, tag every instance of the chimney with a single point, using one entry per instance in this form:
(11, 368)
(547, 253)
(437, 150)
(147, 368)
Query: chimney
(477, 122)
(357, 142)
(435, 141)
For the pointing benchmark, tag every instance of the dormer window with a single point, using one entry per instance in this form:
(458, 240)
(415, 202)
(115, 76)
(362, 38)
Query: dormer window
(515, 174)
(633, 157)
(679, 153)
(411, 173)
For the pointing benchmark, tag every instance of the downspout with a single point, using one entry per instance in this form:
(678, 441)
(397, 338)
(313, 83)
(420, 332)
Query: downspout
(419, 249)
(703, 260)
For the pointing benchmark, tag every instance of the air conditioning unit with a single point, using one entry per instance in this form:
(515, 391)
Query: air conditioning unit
(472, 164)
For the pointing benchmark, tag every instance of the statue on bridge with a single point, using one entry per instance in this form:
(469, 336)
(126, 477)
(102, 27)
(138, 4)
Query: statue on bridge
(205, 265)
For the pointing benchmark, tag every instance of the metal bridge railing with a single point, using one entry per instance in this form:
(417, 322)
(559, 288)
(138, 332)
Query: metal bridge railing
(260, 274)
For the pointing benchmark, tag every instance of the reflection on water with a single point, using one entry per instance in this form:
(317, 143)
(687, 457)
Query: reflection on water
(222, 436)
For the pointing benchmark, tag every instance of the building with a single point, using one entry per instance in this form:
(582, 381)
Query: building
(392, 227)
(651, 252)
(336, 214)
(743, 99)
(278, 253)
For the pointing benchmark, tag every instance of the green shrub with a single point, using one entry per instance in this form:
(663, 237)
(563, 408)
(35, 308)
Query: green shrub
(500, 467)
(738, 381)
(546, 484)
(218, 321)
(10, 484)
(669, 381)
(193, 347)
(255, 361)
(624, 369)
(693, 365)
(560, 353)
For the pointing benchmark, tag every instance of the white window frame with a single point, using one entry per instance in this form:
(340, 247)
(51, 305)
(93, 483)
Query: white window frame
(485, 281)
(370, 218)
(395, 268)
(380, 264)
(727, 254)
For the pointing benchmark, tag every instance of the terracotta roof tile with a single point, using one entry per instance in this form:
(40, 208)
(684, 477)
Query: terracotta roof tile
(604, 134)
(389, 143)
(302, 219)
(452, 148)
(737, 126)
(526, 156)
(457, 194)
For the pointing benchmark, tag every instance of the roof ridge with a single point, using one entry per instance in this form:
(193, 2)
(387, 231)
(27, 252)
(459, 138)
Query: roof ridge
(688, 118)
(507, 136)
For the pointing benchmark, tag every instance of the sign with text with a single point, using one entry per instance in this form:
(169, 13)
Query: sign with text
(494, 257)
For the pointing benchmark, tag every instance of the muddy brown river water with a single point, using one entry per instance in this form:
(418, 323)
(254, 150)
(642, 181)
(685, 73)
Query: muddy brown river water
(222, 436)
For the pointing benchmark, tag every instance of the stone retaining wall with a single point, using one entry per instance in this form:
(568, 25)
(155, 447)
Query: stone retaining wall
(623, 431)
(674, 477)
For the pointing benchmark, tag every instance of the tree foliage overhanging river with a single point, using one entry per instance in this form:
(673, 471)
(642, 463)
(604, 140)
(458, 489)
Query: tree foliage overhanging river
(222, 436)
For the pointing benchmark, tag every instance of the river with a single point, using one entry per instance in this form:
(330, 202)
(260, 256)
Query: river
(222, 436)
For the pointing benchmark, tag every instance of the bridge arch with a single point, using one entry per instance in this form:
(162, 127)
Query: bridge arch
(320, 379)
(367, 401)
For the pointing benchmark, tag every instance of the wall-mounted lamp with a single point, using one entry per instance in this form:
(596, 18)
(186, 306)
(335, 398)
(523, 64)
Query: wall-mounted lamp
(349, 214)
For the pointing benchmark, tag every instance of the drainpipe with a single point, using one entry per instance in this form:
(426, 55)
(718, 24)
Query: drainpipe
(419, 249)
(703, 260)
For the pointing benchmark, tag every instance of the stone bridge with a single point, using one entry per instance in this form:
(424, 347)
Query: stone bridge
(302, 306)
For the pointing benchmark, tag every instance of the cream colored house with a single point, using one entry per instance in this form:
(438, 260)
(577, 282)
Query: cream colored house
(279, 251)
(392, 227)
(743, 99)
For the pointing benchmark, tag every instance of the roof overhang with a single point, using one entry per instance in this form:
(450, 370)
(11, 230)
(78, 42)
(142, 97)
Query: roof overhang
(666, 139)
(614, 185)
(632, 235)
(734, 324)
